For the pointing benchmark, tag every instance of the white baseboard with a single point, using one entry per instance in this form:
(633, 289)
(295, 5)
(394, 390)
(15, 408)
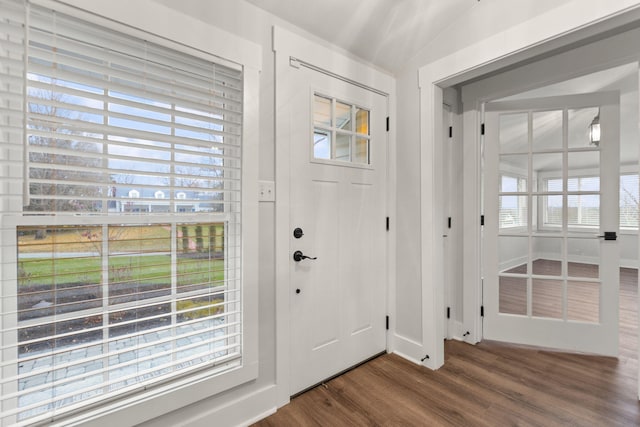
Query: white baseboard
(242, 411)
(408, 349)
(515, 262)
(260, 417)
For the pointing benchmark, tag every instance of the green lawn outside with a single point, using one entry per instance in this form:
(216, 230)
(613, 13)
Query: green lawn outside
(80, 254)
(124, 268)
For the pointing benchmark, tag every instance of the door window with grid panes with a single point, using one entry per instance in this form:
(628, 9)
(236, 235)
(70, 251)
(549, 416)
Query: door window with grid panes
(340, 131)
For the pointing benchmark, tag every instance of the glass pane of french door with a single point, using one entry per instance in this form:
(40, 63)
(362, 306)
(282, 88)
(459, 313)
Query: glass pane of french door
(548, 188)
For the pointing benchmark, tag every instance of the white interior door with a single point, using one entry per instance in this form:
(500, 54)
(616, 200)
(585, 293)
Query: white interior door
(551, 193)
(338, 204)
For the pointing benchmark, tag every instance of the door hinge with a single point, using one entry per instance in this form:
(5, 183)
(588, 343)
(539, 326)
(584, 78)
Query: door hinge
(450, 131)
(481, 219)
(482, 311)
(387, 223)
(387, 123)
(387, 322)
(448, 312)
(449, 222)
(482, 129)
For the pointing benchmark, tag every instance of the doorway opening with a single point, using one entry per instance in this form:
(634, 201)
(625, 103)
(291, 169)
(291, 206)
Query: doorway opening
(624, 80)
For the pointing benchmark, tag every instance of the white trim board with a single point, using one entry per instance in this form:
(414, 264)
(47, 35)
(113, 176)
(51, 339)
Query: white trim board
(560, 27)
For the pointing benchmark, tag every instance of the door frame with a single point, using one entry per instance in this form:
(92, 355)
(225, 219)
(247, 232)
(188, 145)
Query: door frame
(570, 25)
(292, 50)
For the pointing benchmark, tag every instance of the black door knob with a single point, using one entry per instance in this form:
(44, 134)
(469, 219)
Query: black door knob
(299, 256)
(297, 233)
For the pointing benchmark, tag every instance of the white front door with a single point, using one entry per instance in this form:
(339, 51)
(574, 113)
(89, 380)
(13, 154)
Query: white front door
(338, 213)
(551, 193)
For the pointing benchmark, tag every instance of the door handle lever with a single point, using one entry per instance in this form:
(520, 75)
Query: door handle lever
(299, 256)
(610, 235)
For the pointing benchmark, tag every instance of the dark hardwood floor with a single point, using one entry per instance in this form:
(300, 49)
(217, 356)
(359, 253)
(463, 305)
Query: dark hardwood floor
(489, 384)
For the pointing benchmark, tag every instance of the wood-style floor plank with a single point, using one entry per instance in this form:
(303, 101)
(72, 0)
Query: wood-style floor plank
(489, 384)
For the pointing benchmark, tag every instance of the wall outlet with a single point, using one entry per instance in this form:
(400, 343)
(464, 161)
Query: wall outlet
(266, 191)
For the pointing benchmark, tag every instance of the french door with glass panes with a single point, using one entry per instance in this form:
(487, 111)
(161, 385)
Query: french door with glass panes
(551, 177)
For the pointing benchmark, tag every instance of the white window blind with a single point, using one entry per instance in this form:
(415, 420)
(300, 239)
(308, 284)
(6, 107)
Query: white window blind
(583, 201)
(553, 211)
(512, 206)
(121, 204)
(629, 196)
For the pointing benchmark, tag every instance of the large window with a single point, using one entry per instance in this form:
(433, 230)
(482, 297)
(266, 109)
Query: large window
(583, 210)
(120, 213)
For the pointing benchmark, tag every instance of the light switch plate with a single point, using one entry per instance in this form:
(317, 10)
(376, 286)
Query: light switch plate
(266, 191)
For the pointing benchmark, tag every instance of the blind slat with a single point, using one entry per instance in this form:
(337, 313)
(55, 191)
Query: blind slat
(230, 116)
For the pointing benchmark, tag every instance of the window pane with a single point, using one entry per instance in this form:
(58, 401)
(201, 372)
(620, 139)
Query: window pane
(584, 160)
(516, 166)
(343, 116)
(514, 133)
(513, 211)
(322, 111)
(546, 298)
(509, 184)
(552, 209)
(547, 163)
(579, 121)
(547, 130)
(583, 301)
(343, 147)
(513, 254)
(583, 210)
(629, 197)
(513, 295)
(59, 273)
(553, 185)
(322, 144)
(362, 121)
(68, 274)
(200, 256)
(548, 256)
(361, 154)
(139, 262)
(584, 256)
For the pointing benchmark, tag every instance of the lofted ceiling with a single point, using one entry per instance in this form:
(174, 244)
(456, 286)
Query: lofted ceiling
(386, 33)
